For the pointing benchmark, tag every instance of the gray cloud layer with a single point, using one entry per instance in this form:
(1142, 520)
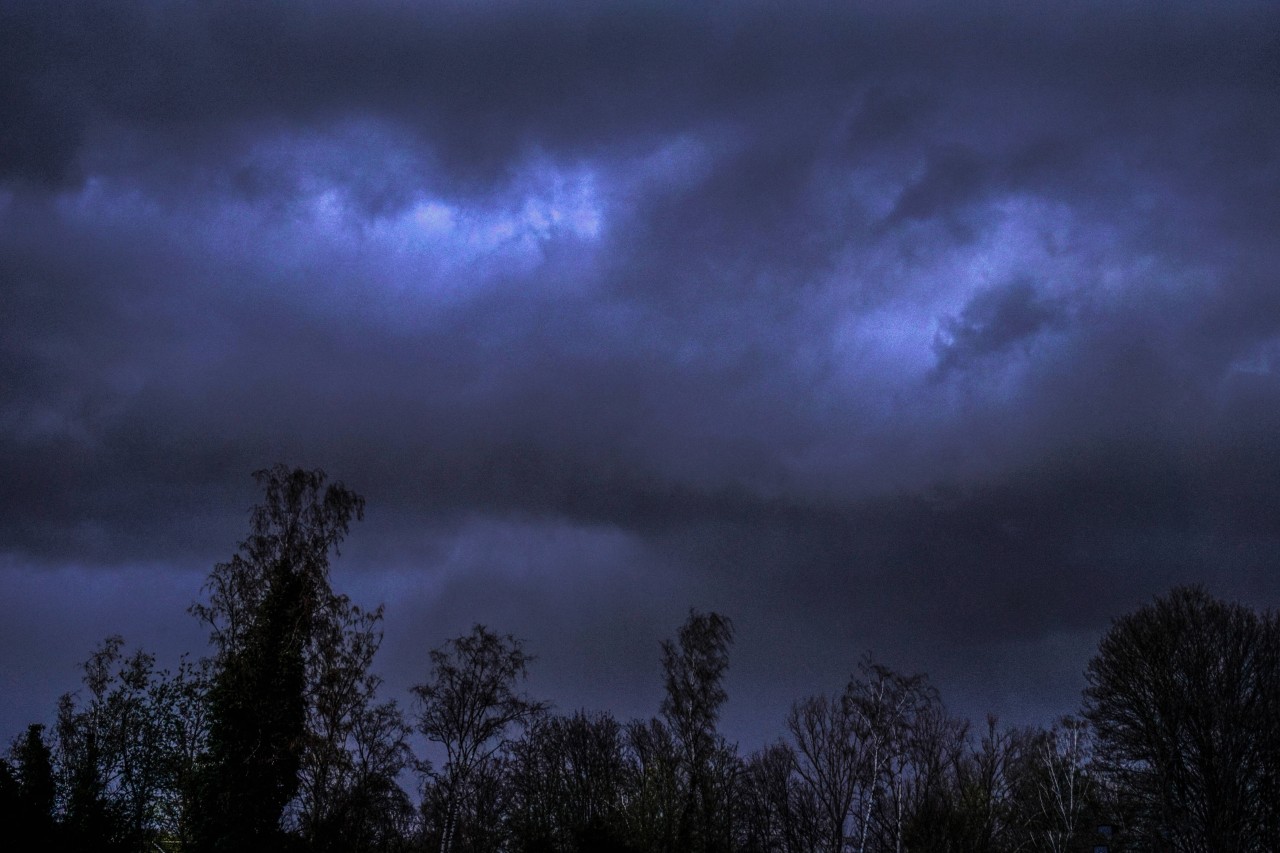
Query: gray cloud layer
(948, 334)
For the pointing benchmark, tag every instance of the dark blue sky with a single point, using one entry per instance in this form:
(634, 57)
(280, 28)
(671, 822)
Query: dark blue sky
(946, 334)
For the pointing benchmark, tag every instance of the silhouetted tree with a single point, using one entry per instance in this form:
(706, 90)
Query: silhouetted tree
(693, 670)
(280, 742)
(1184, 695)
(655, 810)
(10, 795)
(963, 791)
(779, 811)
(263, 607)
(830, 762)
(12, 814)
(115, 752)
(1056, 792)
(355, 746)
(182, 700)
(469, 705)
(32, 790)
(895, 717)
(568, 781)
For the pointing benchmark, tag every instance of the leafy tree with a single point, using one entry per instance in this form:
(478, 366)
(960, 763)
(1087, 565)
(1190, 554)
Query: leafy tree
(10, 794)
(256, 737)
(12, 815)
(263, 607)
(350, 799)
(182, 703)
(1184, 696)
(468, 706)
(693, 670)
(113, 750)
(122, 756)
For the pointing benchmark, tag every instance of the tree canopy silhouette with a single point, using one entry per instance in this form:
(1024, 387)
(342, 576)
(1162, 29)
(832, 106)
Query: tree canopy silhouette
(263, 608)
(279, 741)
(1184, 695)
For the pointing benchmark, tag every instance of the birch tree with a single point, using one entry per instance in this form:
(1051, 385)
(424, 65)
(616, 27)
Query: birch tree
(469, 705)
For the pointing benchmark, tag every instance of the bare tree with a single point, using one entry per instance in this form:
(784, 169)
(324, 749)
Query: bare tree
(829, 760)
(655, 810)
(780, 814)
(982, 776)
(888, 709)
(1055, 792)
(1184, 695)
(568, 778)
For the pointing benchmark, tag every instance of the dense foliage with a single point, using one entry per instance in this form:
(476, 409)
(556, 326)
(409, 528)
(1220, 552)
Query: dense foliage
(278, 740)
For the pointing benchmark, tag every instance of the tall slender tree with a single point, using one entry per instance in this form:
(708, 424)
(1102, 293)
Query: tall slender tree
(889, 711)
(350, 799)
(1056, 792)
(263, 607)
(693, 669)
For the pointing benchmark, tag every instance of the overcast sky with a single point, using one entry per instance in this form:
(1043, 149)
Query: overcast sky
(943, 331)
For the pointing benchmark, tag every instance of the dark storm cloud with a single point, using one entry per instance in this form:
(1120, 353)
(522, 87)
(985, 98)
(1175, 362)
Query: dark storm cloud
(482, 82)
(991, 322)
(945, 333)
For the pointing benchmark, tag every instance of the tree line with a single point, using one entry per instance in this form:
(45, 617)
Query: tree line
(279, 740)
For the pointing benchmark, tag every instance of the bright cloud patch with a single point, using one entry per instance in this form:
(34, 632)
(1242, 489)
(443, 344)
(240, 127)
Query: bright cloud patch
(927, 305)
(448, 246)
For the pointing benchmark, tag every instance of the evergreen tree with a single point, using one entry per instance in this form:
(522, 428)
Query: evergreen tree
(33, 789)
